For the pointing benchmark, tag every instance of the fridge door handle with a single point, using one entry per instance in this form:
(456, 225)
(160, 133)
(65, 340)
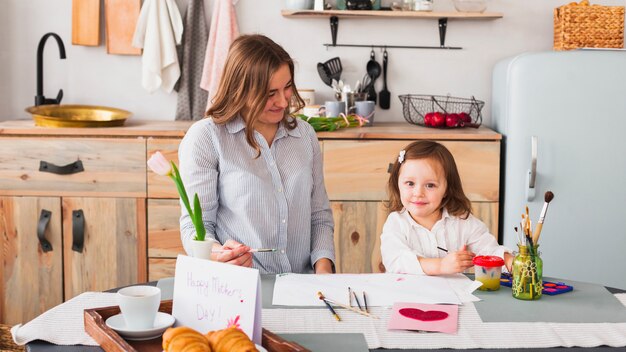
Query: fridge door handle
(531, 176)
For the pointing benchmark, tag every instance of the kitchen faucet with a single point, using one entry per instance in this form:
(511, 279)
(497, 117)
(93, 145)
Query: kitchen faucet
(40, 99)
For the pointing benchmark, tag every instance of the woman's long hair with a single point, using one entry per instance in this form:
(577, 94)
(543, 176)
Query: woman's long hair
(455, 200)
(244, 86)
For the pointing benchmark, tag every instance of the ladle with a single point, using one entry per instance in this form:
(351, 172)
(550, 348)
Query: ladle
(373, 70)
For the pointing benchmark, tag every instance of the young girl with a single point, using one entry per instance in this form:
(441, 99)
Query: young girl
(431, 229)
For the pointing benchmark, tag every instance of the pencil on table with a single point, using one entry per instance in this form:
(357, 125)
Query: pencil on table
(348, 307)
(321, 297)
(365, 302)
(349, 296)
(357, 300)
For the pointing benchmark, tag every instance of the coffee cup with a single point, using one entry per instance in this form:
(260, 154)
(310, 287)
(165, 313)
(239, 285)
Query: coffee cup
(365, 109)
(334, 108)
(139, 306)
(488, 269)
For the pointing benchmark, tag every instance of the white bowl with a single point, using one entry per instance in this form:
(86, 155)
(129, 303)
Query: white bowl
(470, 5)
(299, 4)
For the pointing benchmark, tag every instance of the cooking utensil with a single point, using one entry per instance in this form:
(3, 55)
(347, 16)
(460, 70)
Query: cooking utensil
(373, 71)
(86, 22)
(330, 70)
(385, 95)
(121, 19)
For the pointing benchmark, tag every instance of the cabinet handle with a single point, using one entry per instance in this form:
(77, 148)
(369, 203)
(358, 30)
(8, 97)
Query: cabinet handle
(44, 220)
(68, 169)
(78, 230)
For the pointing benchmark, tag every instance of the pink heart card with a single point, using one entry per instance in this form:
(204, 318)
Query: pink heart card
(426, 317)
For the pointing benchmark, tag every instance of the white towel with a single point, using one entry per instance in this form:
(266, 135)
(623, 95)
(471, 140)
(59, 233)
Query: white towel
(222, 33)
(63, 324)
(159, 29)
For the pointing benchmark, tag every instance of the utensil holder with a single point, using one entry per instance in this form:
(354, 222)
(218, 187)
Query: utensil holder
(527, 274)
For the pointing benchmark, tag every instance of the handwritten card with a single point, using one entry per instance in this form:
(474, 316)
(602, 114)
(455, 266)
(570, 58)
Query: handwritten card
(211, 296)
(426, 317)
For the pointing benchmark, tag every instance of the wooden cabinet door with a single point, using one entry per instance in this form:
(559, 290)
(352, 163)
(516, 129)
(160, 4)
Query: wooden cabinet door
(30, 279)
(114, 243)
(164, 242)
(162, 186)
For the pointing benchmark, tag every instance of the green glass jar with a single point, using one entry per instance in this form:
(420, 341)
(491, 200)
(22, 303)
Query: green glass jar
(527, 274)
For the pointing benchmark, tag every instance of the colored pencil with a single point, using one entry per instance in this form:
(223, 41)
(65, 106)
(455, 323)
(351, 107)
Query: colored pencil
(365, 302)
(443, 249)
(346, 306)
(252, 250)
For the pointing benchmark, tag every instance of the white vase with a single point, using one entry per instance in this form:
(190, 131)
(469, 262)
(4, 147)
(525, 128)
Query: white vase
(202, 249)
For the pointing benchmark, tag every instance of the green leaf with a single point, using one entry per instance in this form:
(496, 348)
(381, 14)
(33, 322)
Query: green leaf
(181, 189)
(197, 219)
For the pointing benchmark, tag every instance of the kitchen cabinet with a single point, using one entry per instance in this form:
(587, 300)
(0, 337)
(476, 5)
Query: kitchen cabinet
(85, 196)
(131, 215)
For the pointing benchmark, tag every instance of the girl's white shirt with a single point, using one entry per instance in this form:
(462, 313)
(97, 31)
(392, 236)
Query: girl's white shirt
(403, 240)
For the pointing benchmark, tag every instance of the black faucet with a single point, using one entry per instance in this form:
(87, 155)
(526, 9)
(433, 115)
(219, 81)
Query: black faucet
(40, 99)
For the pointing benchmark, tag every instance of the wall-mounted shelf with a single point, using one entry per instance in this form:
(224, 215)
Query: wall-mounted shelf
(442, 18)
(390, 14)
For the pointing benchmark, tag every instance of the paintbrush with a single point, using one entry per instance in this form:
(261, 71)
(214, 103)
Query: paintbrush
(547, 198)
(328, 300)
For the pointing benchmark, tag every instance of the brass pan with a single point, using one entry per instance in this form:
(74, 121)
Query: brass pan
(77, 116)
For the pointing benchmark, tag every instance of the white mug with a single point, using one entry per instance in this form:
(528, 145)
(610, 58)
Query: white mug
(334, 108)
(366, 110)
(139, 306)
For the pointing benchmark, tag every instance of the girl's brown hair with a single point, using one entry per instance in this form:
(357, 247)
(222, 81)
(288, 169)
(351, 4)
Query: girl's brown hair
(244, 86)
(455, 200)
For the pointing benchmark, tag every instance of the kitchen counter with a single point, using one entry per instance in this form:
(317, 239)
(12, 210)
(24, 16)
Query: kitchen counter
(173, 129)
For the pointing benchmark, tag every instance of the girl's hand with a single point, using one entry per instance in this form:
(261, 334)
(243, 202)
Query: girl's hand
(234, 253)
(457, 262)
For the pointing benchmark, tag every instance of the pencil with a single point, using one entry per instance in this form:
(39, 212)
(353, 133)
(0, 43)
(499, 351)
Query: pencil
(365, 302)
(357, 300)
(321, 297)
(443, 249)
(252, 250)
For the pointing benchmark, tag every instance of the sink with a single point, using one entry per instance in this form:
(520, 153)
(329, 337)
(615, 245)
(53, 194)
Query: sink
(77, 116)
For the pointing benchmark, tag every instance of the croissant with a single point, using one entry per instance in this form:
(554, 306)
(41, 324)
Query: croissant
(184, 339)
(230, 339)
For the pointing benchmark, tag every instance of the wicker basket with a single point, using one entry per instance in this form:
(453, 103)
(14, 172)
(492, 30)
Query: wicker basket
(417, 108)
(591, 26)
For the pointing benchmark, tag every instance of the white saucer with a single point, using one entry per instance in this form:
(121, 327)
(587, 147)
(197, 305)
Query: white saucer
(161, 323)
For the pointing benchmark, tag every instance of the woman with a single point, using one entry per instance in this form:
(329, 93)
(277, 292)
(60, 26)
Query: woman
(257, 170)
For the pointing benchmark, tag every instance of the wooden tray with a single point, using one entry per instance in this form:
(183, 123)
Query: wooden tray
(110, 341)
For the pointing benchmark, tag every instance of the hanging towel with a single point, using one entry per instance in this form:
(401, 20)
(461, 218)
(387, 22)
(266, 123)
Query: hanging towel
(159, 29)
(192, 99)
(223, 31)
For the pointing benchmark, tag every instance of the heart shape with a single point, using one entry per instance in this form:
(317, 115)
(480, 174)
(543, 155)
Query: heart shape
(418, 314)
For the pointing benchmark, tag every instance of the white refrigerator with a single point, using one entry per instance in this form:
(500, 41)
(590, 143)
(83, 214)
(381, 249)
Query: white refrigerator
(565, 112)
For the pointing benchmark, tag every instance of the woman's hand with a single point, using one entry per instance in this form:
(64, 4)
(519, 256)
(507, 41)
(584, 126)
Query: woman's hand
(456, 262)
(233, 253)
(323, 266)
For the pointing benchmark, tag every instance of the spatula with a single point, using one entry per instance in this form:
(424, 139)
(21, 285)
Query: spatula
(384, 95)
(330, 70)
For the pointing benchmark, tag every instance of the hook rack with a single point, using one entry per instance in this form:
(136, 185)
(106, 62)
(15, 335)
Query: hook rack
(443, 26)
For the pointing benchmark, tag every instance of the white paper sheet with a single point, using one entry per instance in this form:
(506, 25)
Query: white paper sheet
(464, 286)
(381, 289)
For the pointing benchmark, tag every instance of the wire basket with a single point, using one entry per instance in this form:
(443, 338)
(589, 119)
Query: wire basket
(441, 111)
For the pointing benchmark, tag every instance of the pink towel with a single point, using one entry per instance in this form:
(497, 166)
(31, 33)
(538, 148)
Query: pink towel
(223, 31)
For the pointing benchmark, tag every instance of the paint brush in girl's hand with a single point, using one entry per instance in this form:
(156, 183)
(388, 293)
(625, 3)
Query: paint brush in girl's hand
(547, 198)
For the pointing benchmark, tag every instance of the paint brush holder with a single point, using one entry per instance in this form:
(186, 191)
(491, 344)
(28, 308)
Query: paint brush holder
(527, 273)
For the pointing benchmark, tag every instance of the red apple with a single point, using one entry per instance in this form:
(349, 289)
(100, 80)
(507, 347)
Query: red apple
(428, 119)
(439, 120)
(465, 117)
(452, 120)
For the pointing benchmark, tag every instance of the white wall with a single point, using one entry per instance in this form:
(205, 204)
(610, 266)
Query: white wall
(90, 76)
